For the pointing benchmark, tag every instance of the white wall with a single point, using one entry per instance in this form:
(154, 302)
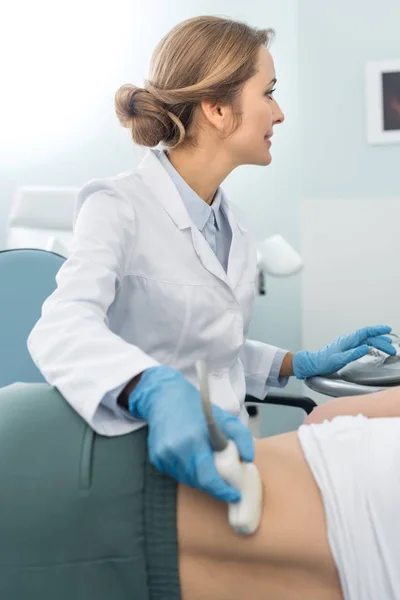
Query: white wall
(351, 277)
(335, 41)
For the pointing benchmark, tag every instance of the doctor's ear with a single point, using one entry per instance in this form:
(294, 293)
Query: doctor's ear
(216, 114)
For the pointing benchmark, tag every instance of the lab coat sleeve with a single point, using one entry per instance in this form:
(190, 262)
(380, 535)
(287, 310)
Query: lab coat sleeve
(71, 344)
(262, 363)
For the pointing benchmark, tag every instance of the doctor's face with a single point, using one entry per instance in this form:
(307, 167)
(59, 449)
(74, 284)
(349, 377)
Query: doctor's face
(251, 142)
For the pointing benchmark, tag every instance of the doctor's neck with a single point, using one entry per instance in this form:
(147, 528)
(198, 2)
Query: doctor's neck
(203, 168)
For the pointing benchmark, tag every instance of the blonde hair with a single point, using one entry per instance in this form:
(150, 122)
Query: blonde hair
(201, 58)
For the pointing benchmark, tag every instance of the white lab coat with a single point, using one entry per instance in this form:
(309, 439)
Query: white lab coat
(142, 287)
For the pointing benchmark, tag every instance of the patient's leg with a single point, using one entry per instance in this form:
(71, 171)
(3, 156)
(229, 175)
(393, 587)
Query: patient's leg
(289, 556)
(378, 404)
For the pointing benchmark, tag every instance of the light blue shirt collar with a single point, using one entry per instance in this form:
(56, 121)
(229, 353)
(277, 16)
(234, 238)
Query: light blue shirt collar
(199, 211)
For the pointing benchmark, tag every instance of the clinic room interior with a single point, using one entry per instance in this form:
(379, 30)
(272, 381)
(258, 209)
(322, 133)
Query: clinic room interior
(323, 218)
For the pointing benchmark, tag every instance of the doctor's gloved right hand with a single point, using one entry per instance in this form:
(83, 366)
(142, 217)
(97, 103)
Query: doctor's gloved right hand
(178, 437)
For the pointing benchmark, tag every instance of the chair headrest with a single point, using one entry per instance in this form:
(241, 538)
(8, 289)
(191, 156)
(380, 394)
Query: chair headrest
(43, 207)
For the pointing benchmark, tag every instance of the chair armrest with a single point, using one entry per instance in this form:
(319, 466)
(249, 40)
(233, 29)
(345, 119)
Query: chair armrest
(302, 402)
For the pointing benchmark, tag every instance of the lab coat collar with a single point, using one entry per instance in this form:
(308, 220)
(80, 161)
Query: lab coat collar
(238, 254)
(199, 211)
(160, 183)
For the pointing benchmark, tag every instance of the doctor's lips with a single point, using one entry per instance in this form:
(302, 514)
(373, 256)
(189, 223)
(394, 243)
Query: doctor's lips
(267, 138)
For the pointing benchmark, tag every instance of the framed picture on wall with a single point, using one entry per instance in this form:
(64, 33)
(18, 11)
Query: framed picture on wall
(383, 101)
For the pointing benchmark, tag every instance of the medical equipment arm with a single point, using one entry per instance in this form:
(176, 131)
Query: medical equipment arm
(178, 436)
(343, 350)
(71, 343)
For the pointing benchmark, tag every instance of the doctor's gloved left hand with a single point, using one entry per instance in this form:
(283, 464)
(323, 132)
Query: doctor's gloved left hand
(178, 436)
(341, 351)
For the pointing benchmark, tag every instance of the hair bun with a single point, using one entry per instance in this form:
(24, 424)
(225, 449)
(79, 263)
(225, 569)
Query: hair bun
(147, 118)
(126, 103)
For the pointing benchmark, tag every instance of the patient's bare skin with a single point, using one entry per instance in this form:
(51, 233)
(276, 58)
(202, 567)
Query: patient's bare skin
(287, 559)
(378, 404)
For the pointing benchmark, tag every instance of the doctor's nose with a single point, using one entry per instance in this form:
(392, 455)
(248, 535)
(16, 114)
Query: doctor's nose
(279, 117)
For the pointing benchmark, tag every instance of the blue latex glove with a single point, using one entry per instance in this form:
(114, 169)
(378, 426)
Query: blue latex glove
(341, 351)
(178, 437)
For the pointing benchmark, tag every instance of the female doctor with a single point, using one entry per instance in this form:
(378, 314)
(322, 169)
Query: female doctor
(162, 270)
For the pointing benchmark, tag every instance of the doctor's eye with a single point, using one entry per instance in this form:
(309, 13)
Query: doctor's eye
(270, 94)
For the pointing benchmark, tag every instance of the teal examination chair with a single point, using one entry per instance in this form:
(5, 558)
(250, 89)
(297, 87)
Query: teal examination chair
(27, 278)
